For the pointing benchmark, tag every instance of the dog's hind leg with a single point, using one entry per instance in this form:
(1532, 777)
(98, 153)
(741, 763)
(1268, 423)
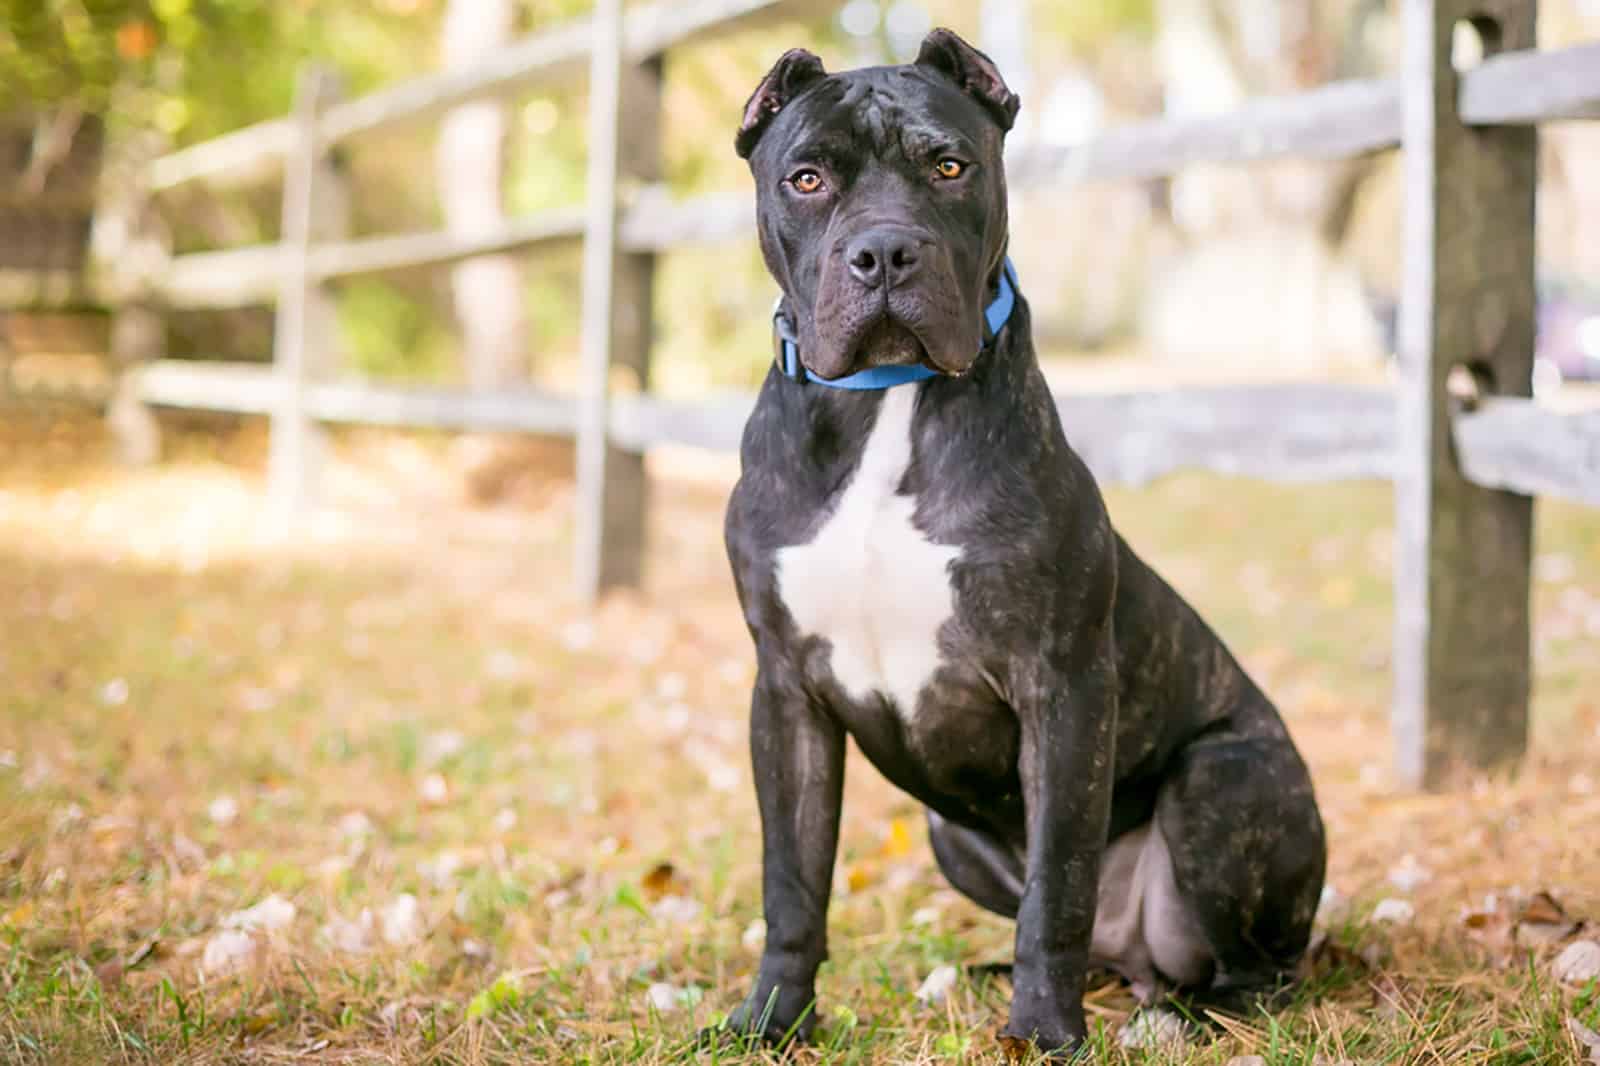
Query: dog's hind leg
(1248, 855)
(980, 867)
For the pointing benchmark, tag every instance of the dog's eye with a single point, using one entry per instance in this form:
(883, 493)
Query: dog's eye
(806, 181)
(950, 169)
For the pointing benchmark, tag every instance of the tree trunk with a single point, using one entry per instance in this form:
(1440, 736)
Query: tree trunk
(488, 290)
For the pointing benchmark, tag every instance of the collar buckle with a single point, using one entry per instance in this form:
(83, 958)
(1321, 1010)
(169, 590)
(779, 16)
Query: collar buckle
(786, 346)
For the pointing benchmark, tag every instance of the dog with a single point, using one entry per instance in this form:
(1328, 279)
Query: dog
(925, 565)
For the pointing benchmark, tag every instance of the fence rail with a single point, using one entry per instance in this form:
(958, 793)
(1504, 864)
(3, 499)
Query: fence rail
(1462, 473)
(256, 153)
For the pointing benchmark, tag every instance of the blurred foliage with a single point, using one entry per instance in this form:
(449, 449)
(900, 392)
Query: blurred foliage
(1085, 25)
(197, 68)
(194, 69)
(388, 333)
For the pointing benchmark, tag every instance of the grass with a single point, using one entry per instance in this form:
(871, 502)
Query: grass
(196, 716)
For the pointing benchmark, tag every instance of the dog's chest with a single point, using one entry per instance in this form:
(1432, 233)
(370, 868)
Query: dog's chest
(870, 582)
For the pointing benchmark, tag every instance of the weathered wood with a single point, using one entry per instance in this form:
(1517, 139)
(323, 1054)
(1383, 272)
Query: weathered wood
(315, 207)
(244, 157)
(256, 152)
(1285, 433)
(409, 251)
(1292, 433)
(138, 336)
(488, 291)
(1523, 446)
(655, 222)
(253, 388)
(553, 56)
(1345, 119)
(518, 409)
(1462, 552)
(1528, 87)
(1337, 121)
(128, 249)
(624, 144)
(209, 385)
(248, 276)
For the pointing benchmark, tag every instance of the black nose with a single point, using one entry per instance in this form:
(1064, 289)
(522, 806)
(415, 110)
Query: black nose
(883, 256)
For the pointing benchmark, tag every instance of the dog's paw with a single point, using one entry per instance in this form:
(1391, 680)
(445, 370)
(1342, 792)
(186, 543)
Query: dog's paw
(780, 1017)
(1057, 1038)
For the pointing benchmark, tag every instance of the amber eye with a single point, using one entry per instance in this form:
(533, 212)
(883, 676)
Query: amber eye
(806, 181)
(949, 169)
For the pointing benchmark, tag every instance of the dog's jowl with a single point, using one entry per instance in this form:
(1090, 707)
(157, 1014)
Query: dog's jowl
(926, 566)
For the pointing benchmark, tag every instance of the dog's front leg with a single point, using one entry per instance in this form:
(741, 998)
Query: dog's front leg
(797, 750)
(1065, 763)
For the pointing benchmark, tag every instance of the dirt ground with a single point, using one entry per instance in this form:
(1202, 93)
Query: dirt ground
(383, 792)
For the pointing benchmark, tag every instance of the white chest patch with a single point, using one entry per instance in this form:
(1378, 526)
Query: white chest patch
(869, 582)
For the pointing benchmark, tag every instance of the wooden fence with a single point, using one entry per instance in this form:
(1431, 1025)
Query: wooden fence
(1459, 435)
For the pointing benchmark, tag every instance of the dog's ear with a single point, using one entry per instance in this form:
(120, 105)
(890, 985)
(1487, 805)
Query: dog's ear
(973, 71)
(790, 76)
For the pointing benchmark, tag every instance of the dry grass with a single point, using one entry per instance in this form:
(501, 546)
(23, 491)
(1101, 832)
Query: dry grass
(406, 701)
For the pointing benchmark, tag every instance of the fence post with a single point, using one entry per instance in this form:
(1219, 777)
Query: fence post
(624, 146)
(315, 207)
(129, 251)
(1462, 557)
(138, 335)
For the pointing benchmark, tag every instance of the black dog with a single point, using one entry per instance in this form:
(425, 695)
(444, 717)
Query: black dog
(926, 565)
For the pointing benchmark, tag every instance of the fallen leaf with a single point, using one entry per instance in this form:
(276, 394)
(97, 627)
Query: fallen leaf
(223, 810)
(434, 790)
(663, 997)
(353, 937)
(936, 986)
(662, 880)
(1014, 1049)
(1247, 1060)
(675, 910)
(1154, 1028)
(401, 920)
(860, 876)
(1588, 1040)
(227, 951)
(1543, 921)
(268, 916)
(897, 842)
(1408, 874)
(1578, 964)
(1394, 911)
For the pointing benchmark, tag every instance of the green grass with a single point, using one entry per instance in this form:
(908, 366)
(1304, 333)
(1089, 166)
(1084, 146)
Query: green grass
(159, 651)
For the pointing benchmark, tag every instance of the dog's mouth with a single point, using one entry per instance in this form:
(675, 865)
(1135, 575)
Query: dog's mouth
(890, 342)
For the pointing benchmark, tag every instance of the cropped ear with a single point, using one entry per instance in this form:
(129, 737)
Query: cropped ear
(971, 70)
(790, 76)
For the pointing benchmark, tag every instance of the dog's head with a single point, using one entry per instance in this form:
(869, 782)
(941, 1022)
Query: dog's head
(882, 203)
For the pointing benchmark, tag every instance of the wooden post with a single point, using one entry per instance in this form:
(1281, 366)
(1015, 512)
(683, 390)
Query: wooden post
(624, 145)
(129, 254)
(1462, 552)
(315, 207)
(138, 335)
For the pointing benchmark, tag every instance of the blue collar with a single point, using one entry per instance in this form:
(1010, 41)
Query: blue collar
(995, 316)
